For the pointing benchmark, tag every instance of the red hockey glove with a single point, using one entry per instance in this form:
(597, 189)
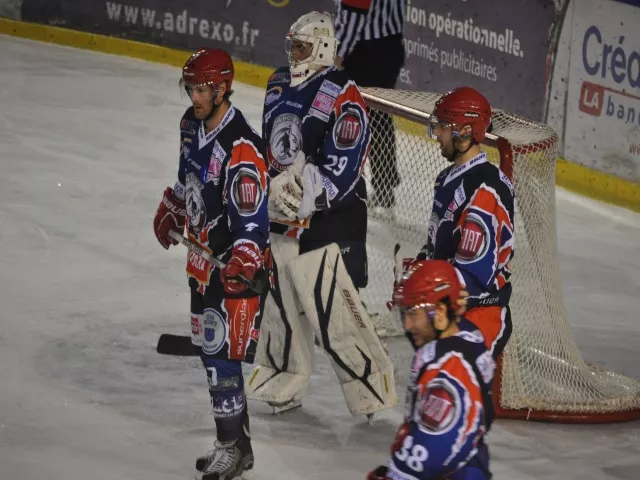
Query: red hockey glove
(171, 215)
(401, 434)
(245, 260)
(380, 473)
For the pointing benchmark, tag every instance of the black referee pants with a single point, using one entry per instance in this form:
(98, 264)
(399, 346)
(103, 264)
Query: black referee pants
(377, 63)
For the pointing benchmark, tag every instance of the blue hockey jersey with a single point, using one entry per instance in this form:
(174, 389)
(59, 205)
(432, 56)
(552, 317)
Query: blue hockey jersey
(223, 179)
(472, 226)
(448, 410)
(326, 118)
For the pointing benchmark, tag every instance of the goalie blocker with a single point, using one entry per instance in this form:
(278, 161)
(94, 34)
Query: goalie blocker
(317, 283)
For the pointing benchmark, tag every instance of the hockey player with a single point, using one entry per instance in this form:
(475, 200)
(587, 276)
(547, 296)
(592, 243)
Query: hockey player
(448, 406)
(221, 196)
(472, 221)
(317, 133)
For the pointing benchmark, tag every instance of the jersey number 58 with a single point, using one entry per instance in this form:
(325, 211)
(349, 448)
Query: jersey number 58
(413, 455)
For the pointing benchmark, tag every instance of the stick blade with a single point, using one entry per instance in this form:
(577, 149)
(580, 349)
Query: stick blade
(177, 345)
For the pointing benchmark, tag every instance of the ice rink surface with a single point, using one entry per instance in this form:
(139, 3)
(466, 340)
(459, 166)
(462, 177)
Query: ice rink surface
(87, 144)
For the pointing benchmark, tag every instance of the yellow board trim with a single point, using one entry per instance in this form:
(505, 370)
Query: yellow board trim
(598, 185)
(248, 73)
(572, 176)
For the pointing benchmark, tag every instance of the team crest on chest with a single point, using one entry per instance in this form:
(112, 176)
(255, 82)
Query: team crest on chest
(285, 141)
(196, 209)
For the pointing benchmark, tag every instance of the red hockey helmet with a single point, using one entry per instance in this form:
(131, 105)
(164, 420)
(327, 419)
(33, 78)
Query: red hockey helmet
(208, 66)
(427, 282)
(464, 106)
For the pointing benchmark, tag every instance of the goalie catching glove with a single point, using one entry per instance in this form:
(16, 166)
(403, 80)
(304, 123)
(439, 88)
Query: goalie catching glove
(297, 192)
(171, 215)
(246, 260)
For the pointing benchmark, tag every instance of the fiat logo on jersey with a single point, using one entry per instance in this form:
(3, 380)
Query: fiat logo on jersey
(474, 239)
(439, 409)
(247, 192)
(348, 129)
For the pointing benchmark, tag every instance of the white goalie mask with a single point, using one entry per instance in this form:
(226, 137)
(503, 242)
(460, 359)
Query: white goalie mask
(310, 45)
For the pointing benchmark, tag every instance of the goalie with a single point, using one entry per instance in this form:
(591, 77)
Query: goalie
(316, 128)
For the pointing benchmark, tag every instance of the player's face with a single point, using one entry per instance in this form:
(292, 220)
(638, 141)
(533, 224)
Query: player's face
(298, 51)
(202, 100)
(422, 322)
(444, 134)
(418, 324)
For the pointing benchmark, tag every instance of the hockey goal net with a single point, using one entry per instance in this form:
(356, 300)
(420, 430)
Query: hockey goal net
(542, 375)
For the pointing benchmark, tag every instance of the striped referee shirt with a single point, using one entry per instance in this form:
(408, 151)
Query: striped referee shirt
(358, 20)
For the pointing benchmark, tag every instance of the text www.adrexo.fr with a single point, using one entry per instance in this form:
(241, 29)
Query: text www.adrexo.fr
(182, 23)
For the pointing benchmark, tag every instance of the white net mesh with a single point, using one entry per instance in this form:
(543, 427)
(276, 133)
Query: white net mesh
(542, 367)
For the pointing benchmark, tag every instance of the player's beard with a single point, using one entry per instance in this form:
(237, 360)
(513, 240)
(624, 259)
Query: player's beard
(213, 109)
(199, 111)
(449, 155)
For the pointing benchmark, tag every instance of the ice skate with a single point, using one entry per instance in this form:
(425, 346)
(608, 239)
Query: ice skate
(283, 407)
(227, 461)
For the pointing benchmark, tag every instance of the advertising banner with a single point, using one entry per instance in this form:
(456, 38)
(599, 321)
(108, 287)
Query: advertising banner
(603, 108)
(500, 47)
(251, 30)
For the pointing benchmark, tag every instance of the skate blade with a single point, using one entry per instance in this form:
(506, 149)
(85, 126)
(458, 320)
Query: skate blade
(284, 407)
(241, 476)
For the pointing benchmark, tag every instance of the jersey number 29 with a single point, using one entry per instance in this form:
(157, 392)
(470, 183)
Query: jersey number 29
(337, 165)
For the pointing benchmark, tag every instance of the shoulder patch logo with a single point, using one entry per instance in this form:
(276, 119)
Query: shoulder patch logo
(474, 239)
(440, 409)
(188, 127)
(348, 129)
(247, 192)
(273, 94)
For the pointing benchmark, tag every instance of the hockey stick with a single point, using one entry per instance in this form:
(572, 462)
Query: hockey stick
(176, 345)
(259, 285)
(180, 345)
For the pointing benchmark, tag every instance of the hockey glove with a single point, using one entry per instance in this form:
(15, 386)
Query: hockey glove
(285, 191)
(285, 196)
(401, 434)
(380, 473)
(246, 259)
(171, 215)
(314, 194)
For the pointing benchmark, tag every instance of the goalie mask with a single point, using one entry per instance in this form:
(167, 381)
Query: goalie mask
(310, 45)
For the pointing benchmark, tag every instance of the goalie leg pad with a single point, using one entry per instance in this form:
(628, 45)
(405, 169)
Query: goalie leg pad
(284, 355)
(346, 332)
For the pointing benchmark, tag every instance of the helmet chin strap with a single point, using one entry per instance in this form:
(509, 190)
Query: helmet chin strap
(457, 152)
(451, 317)
(440, 332)
(214, 109)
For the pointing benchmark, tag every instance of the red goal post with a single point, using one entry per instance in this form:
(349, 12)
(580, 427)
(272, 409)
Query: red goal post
(542, 375)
